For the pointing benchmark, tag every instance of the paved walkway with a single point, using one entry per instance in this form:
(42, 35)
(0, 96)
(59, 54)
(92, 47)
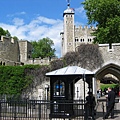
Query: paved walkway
(101, 109)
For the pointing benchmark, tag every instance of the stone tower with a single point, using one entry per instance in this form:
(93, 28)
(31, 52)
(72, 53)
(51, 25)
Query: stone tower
(68, 35)
(73, 36)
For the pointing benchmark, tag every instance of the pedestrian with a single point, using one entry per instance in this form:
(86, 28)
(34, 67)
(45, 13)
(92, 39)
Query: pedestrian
(91, 103)
(98, 94)
(110, 103)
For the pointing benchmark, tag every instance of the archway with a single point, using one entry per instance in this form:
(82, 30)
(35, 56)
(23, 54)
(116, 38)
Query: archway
(108, 74)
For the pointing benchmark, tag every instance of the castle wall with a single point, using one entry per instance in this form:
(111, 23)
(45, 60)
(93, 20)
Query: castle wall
(83, 35)
(38, 61)
(9, 51)
(110, 55)
(25, 50)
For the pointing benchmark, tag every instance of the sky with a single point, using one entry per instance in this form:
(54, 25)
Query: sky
(33, 20)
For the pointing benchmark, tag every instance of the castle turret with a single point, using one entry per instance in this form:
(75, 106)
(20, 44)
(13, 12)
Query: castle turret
(68, 35)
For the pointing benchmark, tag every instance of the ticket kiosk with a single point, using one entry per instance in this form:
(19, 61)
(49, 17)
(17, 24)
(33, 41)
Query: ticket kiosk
(62, 89)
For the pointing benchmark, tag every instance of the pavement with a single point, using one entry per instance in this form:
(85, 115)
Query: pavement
(101, 109)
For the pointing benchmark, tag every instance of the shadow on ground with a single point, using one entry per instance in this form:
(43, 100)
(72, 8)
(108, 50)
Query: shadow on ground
(101, 114)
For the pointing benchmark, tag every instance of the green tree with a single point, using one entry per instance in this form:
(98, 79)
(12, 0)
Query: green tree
(15, 38)
(4, 32)
(43, 48)
(7, 33)
(106, 15)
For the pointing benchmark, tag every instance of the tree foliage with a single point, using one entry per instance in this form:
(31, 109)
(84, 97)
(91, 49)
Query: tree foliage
(43, 48)
(57, 64)
(71, 58)
(88, 56)
(15, 38)
(106, 14)
(13, 80)
(4, 32)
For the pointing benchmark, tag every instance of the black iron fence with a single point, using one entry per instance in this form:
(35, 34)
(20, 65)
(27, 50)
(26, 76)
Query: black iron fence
(49, 110)
(41, 110)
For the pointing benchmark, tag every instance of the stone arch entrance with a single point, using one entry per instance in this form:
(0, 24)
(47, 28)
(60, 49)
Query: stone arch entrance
(108, 74)
(108, 69)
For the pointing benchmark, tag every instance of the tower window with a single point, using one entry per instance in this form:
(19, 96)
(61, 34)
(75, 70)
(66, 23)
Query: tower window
(76, 39)
(110, 46)
(89, 40)
(82, 40)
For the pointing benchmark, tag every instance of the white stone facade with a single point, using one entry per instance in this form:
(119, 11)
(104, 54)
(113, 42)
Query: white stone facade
(73, 36)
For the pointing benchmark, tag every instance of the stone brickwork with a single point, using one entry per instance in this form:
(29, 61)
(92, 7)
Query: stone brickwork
(110, 55)
(72, 36)
(25, 50)
(9, 51)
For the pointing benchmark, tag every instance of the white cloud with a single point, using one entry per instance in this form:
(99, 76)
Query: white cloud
(80, 12)
(18, 13)
(38, 28)
(18, 21)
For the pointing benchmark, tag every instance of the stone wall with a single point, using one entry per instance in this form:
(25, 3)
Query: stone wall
(39, 61)
(13, 52)
(9, 51)
(25, 50)
(110, 55)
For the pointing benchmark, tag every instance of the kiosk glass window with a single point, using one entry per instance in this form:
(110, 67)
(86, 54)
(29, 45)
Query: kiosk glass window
(59, 88)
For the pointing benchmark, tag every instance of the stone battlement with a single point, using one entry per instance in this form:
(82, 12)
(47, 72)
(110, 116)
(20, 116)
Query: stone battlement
(6, 40)
(85, 27)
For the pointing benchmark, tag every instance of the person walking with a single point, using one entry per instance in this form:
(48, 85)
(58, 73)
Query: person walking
(111, 103)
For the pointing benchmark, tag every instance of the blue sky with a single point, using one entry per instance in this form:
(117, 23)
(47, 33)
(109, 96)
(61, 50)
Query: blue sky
(37, 19)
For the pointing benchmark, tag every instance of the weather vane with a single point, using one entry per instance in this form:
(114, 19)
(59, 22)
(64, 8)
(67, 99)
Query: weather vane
(68, 2)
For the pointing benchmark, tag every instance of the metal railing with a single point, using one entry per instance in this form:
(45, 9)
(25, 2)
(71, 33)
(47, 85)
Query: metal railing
(49, 110)
(41, 110)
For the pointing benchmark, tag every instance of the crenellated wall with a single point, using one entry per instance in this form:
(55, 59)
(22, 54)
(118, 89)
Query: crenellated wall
(13, 52)
(9, 51)
(110, 55)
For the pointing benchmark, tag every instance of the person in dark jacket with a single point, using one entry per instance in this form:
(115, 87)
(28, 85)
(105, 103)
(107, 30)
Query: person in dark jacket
(90, 102)
(111, 103)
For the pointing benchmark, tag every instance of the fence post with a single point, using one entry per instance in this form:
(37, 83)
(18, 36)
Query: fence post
(39, 110)
(15, 110)
(26, 102)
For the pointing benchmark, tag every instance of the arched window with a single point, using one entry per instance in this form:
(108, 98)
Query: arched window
(59, 88)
